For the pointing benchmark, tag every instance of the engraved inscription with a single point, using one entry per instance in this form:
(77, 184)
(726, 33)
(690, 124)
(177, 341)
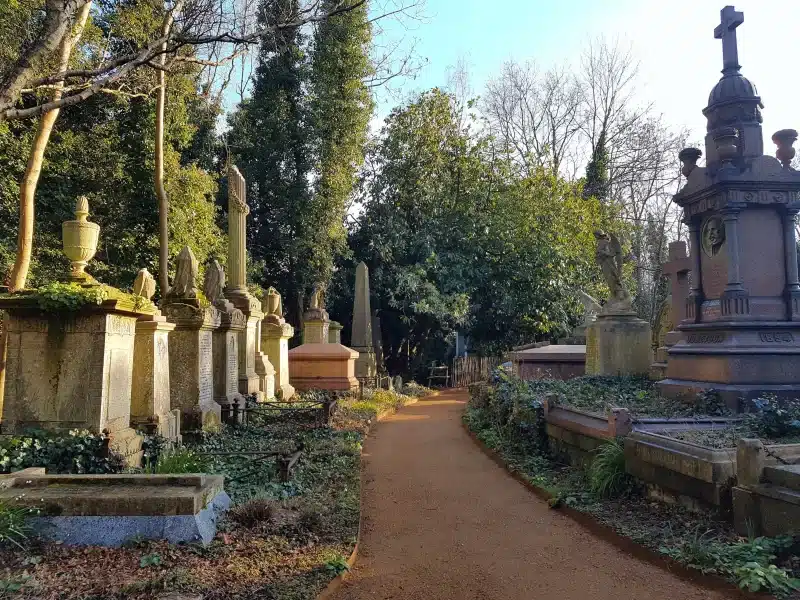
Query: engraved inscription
(776, 337)
(705, 338)
(233, 365)
(703, 205)
(206, 374)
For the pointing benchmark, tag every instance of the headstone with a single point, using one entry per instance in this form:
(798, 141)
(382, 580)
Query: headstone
(72, 370)
(618, 342)
(275, 336)
(335, 333)
(673, 311)
(151, 408)
(236, 291)
(191, 359)
(398, 384)
(225, 346)
(741, 334)
(361, 338)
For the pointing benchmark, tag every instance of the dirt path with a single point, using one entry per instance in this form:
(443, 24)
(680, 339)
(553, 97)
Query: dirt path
(442, 521)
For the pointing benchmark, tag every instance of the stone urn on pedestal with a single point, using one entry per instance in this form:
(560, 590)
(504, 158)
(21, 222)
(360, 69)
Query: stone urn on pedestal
(79, 240)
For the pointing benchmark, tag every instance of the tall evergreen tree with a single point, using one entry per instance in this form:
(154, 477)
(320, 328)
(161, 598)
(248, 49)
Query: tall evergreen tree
(597, 171)
(341, 107)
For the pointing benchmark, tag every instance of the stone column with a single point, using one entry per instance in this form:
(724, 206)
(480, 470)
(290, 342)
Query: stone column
(735, 302)
(151, 407)
(275, 335)
(237, 231)
(790, 248)
(695, 300)
(361, 338)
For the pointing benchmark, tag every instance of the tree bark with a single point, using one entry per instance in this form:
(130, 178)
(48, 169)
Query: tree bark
(27, 192)
(161, 192)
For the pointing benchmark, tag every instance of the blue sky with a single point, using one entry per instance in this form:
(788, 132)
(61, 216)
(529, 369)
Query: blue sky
(679, 58)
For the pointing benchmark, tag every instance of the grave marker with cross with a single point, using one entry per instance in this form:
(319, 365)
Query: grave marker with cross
(677, 268)
(726, 31)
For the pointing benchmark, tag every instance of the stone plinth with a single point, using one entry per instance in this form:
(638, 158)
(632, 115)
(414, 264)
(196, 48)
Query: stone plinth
(191, 364)
(71, 370)
(151, 408)
(323, 367)
(275, 342)
(249, 382)
(110, 510)
(618, 344)
(316, 331)
(550, 362)
(335, 333)
(226, 360)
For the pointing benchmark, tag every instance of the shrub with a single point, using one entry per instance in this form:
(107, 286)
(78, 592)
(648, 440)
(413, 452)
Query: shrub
(415, 390)
(77, 451)
(478, 394)
(607, 476)
(516, 413)
(181, 460)
(774, 419)
(253, 512)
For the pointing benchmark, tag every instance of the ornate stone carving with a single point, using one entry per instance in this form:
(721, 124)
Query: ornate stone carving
(713, 235)
(79, 240)
(185, 275)
(214, 282)
(609, 257)
(785, 139)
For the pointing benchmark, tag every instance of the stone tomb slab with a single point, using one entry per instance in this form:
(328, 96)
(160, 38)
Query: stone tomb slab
(558, 361)
(108, 510)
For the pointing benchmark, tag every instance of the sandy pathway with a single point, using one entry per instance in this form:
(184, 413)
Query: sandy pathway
(442, 521)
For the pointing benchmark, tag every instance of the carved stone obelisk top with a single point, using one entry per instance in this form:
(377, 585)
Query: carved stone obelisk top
(237, 230)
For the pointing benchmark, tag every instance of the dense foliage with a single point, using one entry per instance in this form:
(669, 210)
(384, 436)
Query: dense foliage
(77, 451)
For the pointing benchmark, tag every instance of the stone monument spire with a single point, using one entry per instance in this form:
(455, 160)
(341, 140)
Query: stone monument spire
(237, 230)
(361, 337)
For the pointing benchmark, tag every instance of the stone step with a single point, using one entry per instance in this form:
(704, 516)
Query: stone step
(785, 476)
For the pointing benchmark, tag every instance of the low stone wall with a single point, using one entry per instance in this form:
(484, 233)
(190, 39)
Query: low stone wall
(549, 362)
(574, 435)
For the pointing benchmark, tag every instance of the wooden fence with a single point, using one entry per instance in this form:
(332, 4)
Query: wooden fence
(472, 369)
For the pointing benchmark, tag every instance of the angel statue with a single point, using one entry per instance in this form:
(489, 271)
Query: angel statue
(318, 297)
(609, 256)
(183, 286)
(214, 282)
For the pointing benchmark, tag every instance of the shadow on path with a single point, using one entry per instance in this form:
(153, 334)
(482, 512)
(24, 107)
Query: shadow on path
(442, 521)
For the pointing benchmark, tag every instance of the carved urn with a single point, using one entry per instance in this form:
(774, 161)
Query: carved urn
(79, 238)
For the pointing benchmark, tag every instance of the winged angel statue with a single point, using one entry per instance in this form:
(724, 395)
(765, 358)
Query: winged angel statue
(609, 256)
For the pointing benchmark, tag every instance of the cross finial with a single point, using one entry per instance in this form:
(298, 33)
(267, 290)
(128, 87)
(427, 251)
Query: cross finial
(726, 31)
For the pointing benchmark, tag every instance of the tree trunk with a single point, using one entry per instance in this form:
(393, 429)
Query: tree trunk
(27, 191)
(161, 192)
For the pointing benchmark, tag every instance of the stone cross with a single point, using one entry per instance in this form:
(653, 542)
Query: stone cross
(726, 31)
(237, 230)
(678, 268)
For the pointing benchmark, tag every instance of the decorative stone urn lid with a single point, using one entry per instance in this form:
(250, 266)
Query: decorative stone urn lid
(79, 239)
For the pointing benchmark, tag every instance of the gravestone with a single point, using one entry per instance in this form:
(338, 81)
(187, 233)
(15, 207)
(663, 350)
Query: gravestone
(361, 335)
(225, 345)
(151, 408)
(673, 310)
(191, 359)
(236, 290)
(73, 369)
(617, 342)
(275, 336)
(741, 334)
(335, 333)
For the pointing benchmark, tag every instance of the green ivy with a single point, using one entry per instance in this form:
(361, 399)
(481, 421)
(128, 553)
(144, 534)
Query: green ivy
(77, 451)
(69, 297)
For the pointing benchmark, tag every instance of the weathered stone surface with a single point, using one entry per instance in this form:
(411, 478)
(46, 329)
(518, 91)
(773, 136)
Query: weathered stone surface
(71, 371)
(335, 333)
(275, 342)
(559, 361)
(323, 367)
(109, 510)
(225, 353)
(316, 331)
(191, 364)
(150, 398)
(618, 344)
(361, 336)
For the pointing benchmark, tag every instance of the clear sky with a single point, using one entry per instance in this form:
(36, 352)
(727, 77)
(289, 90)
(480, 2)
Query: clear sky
(679, 58)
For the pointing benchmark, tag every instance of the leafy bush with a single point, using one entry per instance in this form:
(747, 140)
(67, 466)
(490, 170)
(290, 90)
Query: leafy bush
(774, 419)
(65, 297)
(516, 413)
(607, 476)
(14, 527)
(253, 512)
(181, 460)
(478, 394)
(77, 451)
(750, 564)
(415, 390)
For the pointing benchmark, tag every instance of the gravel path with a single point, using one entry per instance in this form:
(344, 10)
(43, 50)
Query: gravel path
(443, 522)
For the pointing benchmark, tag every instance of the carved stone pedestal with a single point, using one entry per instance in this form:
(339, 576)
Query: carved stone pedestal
(323, 367)
(226, 363)
(618, 344)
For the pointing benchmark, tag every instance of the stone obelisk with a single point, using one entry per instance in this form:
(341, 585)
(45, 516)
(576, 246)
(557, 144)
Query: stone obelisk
(361, 338)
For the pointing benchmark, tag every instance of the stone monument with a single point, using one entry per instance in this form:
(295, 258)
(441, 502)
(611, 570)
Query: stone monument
(335, 333)
(618, 342)
(191, 374)
(361, 337)
(151, 408)
(236, 291)
(73, 370)
(318, 364)
(590, 309)
(673, 311)
(741, 334)
(275, 336)
(225, 345)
